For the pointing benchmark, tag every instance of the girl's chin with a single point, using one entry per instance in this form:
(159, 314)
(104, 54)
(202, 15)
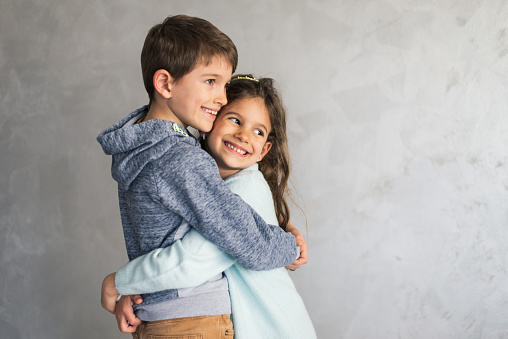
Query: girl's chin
(236, 166)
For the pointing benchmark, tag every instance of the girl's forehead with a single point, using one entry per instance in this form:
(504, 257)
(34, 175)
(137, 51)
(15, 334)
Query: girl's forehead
(245, 104)
(250, 110)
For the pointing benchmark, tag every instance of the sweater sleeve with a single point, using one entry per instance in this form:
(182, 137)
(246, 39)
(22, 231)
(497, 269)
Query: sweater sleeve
(186, 263)
(252, 187)
(194, 190)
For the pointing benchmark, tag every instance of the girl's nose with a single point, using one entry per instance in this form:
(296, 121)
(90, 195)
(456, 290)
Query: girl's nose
(242, 136)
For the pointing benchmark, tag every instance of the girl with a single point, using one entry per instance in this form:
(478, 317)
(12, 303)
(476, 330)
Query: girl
(248, 141)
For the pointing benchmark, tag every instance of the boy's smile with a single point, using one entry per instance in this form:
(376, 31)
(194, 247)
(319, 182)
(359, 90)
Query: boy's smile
(196, 98)
(238, 138)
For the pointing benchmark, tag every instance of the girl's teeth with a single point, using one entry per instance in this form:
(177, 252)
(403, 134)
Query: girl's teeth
(242, 152)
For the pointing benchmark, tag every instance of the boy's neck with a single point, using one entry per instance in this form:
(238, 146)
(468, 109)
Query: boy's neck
(161, 111)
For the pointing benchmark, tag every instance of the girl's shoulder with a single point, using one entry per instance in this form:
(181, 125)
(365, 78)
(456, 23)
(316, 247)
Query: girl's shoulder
(251, 186)
(247, 177)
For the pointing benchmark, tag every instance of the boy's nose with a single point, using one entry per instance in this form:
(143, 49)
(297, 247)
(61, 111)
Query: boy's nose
(221, 97)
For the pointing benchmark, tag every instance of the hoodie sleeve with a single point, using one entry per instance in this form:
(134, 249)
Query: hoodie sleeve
(188, 183)
(192, 260)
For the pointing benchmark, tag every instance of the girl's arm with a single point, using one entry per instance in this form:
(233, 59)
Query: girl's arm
(188, 262)
(192, 260)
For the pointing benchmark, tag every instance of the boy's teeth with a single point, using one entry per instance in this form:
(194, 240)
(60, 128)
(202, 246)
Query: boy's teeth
(242, 152)
(210, 111)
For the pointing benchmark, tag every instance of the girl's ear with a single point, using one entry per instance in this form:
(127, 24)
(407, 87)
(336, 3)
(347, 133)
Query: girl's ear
(162, 82)
(265, 150)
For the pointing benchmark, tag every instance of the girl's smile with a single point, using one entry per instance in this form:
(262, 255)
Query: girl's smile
(235, 148)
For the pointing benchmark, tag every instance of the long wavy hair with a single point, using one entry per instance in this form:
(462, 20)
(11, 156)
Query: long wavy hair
(276, 165)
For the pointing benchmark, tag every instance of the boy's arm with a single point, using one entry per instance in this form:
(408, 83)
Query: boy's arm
(300, 241)
(252, 187)
(192, 260)
(197, 193)
(188, 262)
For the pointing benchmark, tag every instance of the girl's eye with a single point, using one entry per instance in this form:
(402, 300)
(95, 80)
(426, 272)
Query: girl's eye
(235, 120)
(259, 132)
(210, 81)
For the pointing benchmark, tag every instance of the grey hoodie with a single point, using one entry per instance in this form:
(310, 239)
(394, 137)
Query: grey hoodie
(166, 182)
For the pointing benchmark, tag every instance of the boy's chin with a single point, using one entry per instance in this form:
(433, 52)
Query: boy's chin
(204, 128)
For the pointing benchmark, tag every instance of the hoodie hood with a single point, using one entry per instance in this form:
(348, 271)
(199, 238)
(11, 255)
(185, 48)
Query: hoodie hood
(133, 145)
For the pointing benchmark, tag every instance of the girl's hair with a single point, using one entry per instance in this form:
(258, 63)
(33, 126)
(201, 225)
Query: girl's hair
(276, 165)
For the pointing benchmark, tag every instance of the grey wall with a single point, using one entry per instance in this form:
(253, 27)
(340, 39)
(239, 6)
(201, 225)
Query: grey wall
(398, 129)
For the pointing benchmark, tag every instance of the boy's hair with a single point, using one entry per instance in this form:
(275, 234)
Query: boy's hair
(178, 44)
(276, 164)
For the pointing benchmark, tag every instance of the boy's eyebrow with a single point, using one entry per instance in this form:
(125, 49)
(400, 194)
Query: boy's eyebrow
(212, 75)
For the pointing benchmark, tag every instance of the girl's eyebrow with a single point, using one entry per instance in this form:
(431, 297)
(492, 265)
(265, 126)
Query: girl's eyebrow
(264, 127)
(232, 113)
(239, 115)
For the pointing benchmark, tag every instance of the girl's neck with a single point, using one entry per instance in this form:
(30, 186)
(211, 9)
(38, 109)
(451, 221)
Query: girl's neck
(226, 173)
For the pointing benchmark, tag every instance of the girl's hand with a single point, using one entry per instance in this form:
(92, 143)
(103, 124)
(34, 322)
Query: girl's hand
(109, 294)
(125, 317)
(300, 241)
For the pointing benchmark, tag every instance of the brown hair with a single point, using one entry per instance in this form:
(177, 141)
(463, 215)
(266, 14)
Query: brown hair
(178, 44)
(276, 164)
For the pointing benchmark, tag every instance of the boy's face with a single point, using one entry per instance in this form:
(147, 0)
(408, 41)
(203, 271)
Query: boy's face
(198, 96)
(239, 136)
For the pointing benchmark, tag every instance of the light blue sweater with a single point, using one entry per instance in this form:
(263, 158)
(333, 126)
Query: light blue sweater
(265, 303)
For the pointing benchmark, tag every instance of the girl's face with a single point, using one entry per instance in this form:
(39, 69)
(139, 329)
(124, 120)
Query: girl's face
(238, 137)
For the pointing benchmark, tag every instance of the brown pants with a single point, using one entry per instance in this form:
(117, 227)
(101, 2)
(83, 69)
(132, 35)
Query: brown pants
(208, 327)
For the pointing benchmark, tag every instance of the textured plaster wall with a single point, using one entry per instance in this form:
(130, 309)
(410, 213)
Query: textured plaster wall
(398, 129)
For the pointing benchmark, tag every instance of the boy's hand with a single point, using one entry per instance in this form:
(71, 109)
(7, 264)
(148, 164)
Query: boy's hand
(300, 241)
(109, 294)
(125, 317)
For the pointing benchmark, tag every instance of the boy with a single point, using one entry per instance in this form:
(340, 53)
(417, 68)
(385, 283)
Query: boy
(167, 184)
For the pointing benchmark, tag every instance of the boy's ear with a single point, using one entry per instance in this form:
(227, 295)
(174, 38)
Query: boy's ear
(265, 150)
(162, 82)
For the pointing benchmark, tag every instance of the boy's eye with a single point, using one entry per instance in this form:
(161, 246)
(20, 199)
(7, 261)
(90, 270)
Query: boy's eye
(235, 120)
(210, 81)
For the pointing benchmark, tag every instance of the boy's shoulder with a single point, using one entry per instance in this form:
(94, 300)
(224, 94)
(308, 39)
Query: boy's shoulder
(185, 158)
(186, 154)
(137, 147)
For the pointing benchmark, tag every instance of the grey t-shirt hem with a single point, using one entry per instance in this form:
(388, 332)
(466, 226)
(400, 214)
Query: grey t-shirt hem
(214, 303)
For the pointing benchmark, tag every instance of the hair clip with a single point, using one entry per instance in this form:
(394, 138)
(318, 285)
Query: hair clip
(244, 78)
